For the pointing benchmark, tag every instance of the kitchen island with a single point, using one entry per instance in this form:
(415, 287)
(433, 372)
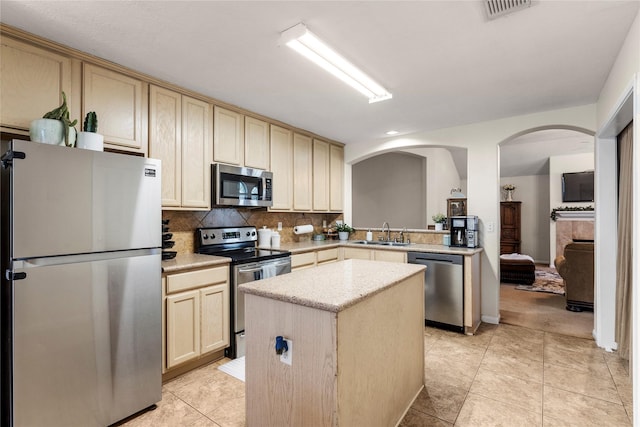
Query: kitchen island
(357, 353)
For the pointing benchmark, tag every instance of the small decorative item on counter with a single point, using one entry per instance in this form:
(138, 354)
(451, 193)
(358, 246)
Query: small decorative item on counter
(264, 237)
(440, 219)
(369, 236)
(275, 240)
(343, 230)
(509, 189)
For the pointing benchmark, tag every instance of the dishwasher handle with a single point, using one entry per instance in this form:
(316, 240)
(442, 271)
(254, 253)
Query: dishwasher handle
(423, 257)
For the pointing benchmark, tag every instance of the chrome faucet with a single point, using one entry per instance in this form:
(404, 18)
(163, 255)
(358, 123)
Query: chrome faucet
(388, 231)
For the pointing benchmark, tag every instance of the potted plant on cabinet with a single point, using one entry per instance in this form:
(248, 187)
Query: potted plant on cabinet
(440, 220)
(89, 138)
(344, 230)
(54, 127)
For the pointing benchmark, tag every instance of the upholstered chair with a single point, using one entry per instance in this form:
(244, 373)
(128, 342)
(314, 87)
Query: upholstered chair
(576, 268)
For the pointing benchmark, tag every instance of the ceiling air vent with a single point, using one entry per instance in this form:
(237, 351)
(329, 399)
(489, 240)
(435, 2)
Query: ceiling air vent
(497, 8)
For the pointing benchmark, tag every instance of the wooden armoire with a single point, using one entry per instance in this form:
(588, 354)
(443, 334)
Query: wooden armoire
(510, 227)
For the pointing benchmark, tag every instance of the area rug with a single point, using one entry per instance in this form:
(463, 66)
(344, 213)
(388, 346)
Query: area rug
(546, 281)
(235, 368)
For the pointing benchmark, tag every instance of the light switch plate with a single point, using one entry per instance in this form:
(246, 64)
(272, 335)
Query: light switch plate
(279, 226)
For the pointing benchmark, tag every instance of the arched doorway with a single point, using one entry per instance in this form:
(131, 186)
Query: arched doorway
(534, 161)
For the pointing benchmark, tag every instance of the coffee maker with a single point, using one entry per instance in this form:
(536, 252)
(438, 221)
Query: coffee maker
(464, 231)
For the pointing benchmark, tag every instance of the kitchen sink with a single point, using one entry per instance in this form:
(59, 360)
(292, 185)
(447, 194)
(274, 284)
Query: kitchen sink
(378, 243)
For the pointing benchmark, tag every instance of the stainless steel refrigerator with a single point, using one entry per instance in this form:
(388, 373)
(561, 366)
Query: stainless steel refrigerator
(81, 285)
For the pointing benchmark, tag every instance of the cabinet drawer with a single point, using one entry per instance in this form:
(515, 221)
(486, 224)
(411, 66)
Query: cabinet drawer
(301, 260)
(327, 255)
(196, 279)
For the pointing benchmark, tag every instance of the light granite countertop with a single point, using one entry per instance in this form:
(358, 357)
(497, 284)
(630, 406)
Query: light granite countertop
(308, 246)
(189, 261)
(333, 287)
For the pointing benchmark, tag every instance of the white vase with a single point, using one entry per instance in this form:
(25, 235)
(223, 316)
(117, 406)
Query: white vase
(343, 235)
(509, 196)
(439, 226)
(46, 131)
(90, 141)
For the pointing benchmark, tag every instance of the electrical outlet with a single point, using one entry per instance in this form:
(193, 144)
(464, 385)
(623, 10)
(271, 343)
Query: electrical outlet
(286, 356)
(491, 226)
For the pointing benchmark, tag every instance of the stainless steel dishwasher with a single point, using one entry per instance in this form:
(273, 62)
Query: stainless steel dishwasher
(443, 289)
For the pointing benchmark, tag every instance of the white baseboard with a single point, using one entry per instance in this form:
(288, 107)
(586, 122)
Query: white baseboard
(491, 319)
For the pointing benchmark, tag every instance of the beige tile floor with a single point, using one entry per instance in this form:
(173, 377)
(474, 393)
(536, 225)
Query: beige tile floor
(503, 376)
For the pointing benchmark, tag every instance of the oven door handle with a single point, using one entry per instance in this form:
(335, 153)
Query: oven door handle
(249, 270)
(259, 268)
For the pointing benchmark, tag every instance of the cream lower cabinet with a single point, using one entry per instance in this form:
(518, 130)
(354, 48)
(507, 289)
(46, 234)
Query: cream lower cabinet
(326, 256)
(302, 261)
(180, 136)
(196, 314)
(121, 103)
(313, 259)
(32, 83)
(374, 254)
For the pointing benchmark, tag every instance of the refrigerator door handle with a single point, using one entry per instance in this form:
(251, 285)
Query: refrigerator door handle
(12, 275)
(73, 259)
(7, 158)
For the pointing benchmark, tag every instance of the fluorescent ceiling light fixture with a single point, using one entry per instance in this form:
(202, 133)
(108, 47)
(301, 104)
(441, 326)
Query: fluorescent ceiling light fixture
(392, 132)
(303, 41)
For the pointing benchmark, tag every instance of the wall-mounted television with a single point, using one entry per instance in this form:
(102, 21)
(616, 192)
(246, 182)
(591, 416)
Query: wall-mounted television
(577, 187)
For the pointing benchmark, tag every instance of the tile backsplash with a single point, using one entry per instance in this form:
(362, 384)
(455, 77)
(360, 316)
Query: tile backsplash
(182, 224)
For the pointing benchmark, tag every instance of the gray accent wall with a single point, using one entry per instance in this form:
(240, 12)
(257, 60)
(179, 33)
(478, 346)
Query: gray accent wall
(390, 187)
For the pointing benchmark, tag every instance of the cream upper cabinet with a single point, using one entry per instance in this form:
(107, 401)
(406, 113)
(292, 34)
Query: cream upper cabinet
(336, 154)
(302, 173)
(121, 103)
(31, 83)
(282, 167)
(180, 136)
(256, 143)
(321, 174)
(227, 136)
(196, 153)
(165, 141)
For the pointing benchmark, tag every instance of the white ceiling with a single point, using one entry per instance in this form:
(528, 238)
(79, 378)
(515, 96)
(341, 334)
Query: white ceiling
(444, 61)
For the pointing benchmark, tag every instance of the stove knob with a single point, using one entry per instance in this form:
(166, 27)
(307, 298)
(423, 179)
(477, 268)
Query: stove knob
(248, 233)
(253, 233)
(213, 236)
(205, 237)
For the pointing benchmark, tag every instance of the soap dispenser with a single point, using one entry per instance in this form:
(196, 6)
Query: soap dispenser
(369, 236)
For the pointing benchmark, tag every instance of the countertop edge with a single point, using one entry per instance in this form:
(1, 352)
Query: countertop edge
(311, 246)
(264, 291)
(184, 262)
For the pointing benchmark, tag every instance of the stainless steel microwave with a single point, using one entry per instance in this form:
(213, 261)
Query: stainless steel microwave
(236, 186)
